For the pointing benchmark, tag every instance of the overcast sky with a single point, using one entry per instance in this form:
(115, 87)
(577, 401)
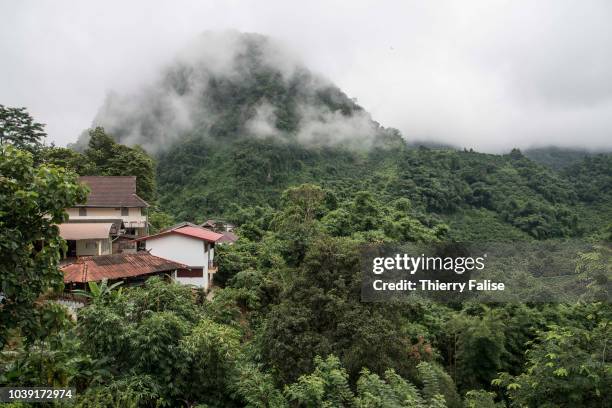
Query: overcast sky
(484, 74)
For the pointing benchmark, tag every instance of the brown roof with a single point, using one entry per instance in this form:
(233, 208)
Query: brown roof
(228, 237)
(112, 191)
(214, 223)
(117, 266)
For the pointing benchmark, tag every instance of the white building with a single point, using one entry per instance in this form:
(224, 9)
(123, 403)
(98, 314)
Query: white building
(110, 219)
(88, 239)
(190, 245)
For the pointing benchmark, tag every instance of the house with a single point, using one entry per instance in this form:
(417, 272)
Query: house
(113, 212)
(187, 244)
(133, 268)
(218, 225)
(228, 237)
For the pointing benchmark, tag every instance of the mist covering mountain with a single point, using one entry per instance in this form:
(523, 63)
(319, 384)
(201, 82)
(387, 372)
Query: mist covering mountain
(231, 85)
(235, 119)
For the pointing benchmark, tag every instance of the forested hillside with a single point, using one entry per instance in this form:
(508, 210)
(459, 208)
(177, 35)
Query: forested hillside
(310, 179)
(557, 158)
(233, 131)
(201, 178)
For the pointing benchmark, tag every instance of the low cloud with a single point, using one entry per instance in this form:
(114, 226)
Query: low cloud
(322, 127)
(487, 74)
(263, 123)
(181, 101)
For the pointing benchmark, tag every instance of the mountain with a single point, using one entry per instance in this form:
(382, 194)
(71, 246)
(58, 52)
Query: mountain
(230, 86)
(235, 120)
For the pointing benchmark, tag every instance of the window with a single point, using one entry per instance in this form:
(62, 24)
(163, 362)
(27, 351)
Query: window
(82, 211)
(125, 211)
(189, 273)
(91, 245)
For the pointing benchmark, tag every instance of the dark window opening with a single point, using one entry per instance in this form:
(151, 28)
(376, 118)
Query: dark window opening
(82, 211)
(189, 273)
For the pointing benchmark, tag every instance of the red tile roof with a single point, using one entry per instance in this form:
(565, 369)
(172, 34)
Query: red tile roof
(201, 233)
(117, 266)
(187, 230)
(112, 191)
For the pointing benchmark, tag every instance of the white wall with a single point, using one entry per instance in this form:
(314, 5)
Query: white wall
(183, 249)
(199, 282)
(88, 247)
(136, 217)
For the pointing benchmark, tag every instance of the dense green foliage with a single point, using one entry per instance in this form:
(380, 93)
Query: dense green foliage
(19, 129)
(104, 157)
(556, 158)
(289, 329)
(201, 179)
(32, 202)
(286, 326)
(567, 364)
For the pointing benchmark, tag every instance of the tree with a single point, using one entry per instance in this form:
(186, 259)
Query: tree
(212, 349)
(18, 128)
(160, 220)
(481, 399)
(391, 391)
(133, 161)
(297, 221)
(476, 349)
(32, 203)
(257, 388)
(567, 365)
(99, 292)
(595, 270)
(321, 314)
(100, 147)
(109, 158)
(326, 386)
(68, 159)
(302, 204)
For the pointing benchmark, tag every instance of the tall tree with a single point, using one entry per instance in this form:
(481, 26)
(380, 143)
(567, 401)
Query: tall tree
(32, 202)
(109, 158)
(68, 159)
(18, 128)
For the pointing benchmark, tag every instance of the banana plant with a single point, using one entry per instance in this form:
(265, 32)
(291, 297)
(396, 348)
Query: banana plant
(100, 291)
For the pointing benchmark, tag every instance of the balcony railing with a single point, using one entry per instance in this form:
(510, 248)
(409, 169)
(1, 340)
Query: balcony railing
(128, 221)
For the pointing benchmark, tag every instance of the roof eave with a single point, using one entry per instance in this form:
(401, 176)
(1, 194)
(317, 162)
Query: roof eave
(161, 234)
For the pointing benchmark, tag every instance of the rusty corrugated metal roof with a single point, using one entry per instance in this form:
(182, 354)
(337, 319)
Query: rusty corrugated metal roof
(112, 191)
(117, 266)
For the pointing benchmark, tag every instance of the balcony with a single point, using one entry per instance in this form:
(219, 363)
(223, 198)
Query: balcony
(129, 221)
